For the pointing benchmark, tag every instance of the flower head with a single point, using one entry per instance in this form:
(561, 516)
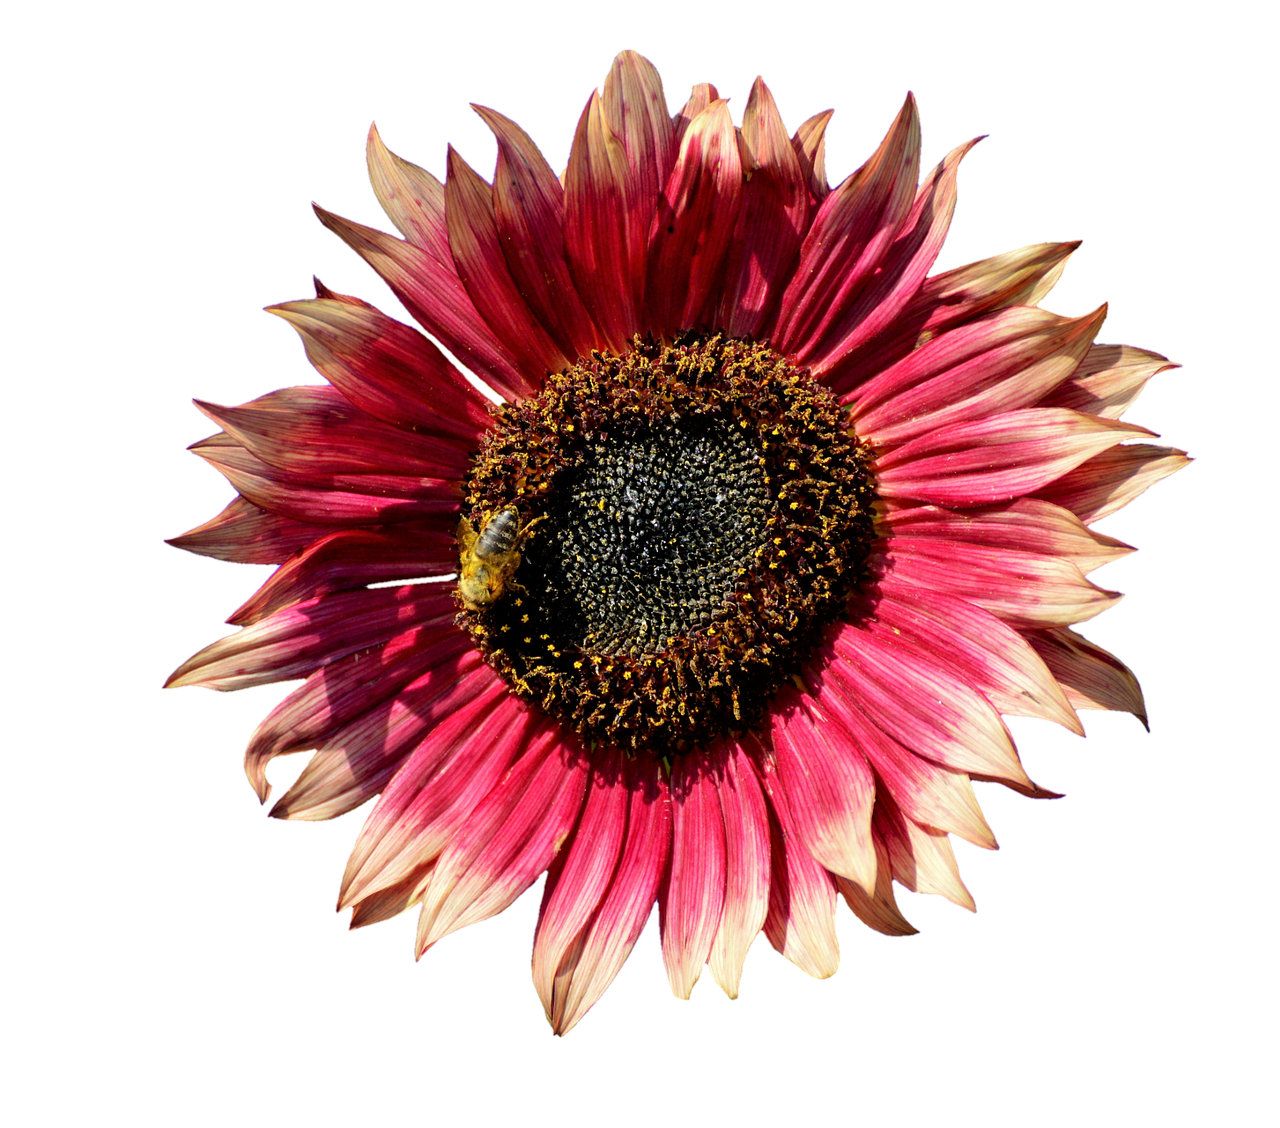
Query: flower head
(769, 529)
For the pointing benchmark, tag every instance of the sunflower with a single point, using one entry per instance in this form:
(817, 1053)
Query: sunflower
(768, 529)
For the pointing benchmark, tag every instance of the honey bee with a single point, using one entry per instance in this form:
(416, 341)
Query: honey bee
(489, 559)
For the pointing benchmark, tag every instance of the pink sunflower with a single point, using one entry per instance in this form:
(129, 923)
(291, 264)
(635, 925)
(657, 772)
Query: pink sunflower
(768, 530)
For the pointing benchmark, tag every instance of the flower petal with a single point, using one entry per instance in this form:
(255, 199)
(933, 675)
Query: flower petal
(477, 250)
(386, 369)
(928, 793)
(954, 298)
(1024, 589)
(849, 237)
(606, 228)
(922, 704)
(1009, 360)
(245, 534)
(827, 787)
(294, 642)
(330, 499)
(810, 145)
(700, 97)
(801, 922)
(1093, 678)
(310, 431)
(691, 897)
(1028, 524)
(899, 274)
(509, 839)
(1108, 481)
(694, 221)
(358, 760)
(746, 836)
(431, 291)
(987, 653)
(996, 459)
(880, 909)
(436, 789)
(601, 948)
(412, 198)
(392, 901)
(635, 109)
(349, 559)
(771, 221)
(922, 859)
(345, 690)
(528, 204)
(580, 875)
(1108, 380)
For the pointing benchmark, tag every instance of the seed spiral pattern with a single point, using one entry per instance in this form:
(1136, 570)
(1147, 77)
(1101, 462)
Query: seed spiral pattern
(654, 532)
(704, 511)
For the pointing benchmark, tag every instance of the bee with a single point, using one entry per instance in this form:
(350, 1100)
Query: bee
(488, 560)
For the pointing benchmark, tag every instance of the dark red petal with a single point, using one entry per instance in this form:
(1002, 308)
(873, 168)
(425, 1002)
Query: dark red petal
(700, 97)
(1092, 677)
(849, 238)
(1110, 480)
(810, 145)
(412, 198)
(245, 534)
(352, 558)
(636, 112)
(694, 222)
(386, 369)
(771, 221)
(528, 204)
(432, 292)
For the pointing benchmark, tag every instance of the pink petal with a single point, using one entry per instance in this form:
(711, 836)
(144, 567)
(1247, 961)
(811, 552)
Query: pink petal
(694, 221)
(849, 238)
(529, 208)
(771, 221)
(1008, 360)
(636, 112)
(992, 657)
(922, 859)
(294, 642)
(509, 839)
(329, 499)
(436, 789)
(311, 431)
(1108, 380)
(245, 534)
(606, 228)
(1092, 677)
(899, 274)
(801, 922)
(928, 793)
(825, 783)
(691, 897)
(349, 559)
(878, 910)
(746, 901)
(947, 301)
(922, 705)
(431, 291)
(1108, 481)
(477, 248)
(1022, 588)
(996, 459)
(580, 875)
(412, 198)
(700, 97)
(345, 690)
(358, 760)
(386, 369)
(601, 948)
(1028, 524)
(810, 145)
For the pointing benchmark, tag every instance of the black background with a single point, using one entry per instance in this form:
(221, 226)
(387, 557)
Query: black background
(1083, 889)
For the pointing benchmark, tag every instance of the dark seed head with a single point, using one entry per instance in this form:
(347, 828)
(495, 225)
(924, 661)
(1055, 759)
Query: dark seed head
(705, 513)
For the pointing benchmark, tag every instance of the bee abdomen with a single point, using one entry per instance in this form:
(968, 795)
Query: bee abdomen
(499, 534)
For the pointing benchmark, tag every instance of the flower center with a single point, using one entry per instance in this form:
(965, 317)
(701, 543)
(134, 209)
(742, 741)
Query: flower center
(690, 516)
